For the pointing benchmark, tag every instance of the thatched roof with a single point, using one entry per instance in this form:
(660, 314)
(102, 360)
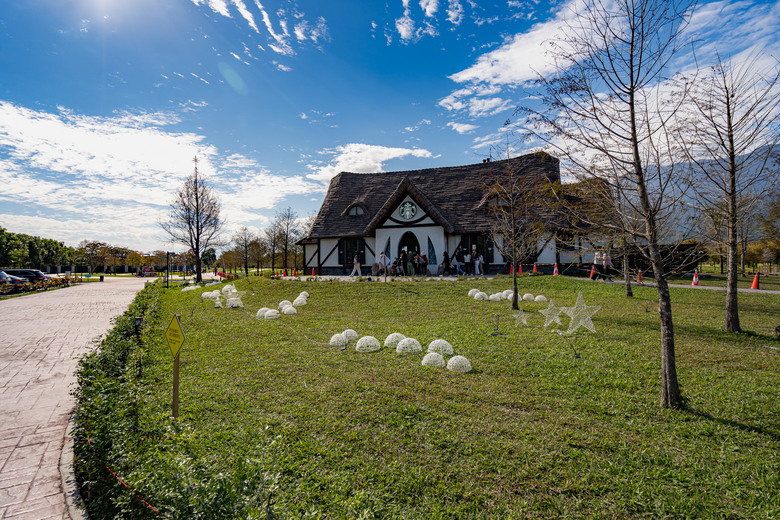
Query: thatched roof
(452, 197)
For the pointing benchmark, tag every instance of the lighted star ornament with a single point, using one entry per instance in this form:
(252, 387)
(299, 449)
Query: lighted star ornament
(580, 315)
(522, 317)
(551, 314)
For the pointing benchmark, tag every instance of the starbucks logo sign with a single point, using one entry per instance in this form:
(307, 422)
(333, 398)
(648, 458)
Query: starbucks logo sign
(408, 210)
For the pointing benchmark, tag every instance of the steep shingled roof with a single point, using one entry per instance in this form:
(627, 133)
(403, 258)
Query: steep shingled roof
(452, 196)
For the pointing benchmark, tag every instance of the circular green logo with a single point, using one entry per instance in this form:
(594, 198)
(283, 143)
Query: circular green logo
(408, 210)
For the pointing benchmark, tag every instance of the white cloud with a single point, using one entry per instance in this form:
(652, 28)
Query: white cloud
(462, 128)
(430, 7)
(246, 14)
(282, 67)
(455, 12)
(360, 158)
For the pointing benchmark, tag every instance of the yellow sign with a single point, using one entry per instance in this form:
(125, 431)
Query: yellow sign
(174, 335)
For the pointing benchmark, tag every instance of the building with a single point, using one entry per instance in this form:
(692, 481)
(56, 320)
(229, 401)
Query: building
(429, 211)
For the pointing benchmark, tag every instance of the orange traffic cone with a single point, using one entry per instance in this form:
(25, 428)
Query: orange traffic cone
(593, 271)
(520, 269)
(639, 277)
(695, 277)
(555, 270)
(534, 266)
(312, 272)
(285, 272)
(755, 282)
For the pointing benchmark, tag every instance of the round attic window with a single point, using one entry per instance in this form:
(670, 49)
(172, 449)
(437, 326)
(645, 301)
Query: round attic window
(408, 210)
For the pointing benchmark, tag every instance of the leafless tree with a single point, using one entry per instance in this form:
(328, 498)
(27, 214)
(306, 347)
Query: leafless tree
(194, 218)
(606, 115)
(514, 200)
(258, 250)
(734, 129)
(242, 242)
(286, 222)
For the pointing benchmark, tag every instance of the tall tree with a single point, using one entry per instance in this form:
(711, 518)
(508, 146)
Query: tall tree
(286, 222)
(242, 241)
(94, 254)
(604, 116)
(194, 219)
(735, 130)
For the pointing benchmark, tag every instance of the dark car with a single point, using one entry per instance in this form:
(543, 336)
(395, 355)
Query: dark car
(31, 275)
(6, 278)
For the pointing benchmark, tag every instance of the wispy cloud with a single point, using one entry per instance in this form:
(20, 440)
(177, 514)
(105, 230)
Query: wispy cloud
(462, 128)
(359, 158)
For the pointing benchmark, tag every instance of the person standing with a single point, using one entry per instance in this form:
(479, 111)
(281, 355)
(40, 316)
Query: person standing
(607, 262)
(383, 263)
(597, 262)
(356, 266)
(459, 261)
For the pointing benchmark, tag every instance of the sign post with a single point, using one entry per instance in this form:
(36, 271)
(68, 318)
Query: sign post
(175, 337)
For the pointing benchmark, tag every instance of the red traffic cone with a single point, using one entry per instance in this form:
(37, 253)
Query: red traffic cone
(755, 282)
(534, 266)
(295, 271)
(555, 270)
(511, 268)
(695, 277)
(520, 269)
(312, 272)
(285, 272)
(593, 271)
(639, 277)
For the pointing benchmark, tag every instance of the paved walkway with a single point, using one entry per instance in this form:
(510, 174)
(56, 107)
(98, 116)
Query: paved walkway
(41, 337)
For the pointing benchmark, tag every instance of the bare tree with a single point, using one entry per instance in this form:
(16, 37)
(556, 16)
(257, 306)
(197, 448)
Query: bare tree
(513, 198)
(606, 117)
(258, 250)
(194, 219)
(242, 242)
(286, 222)
(734, 131)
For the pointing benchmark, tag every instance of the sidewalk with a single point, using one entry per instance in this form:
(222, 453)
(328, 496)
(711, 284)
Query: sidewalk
(41, 337)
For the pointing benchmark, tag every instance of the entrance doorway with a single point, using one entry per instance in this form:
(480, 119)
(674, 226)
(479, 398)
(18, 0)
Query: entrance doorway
(408, 243)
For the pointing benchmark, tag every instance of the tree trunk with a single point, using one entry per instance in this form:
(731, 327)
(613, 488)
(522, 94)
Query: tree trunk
(198, 276)
(514, 290)
(670, 390)
(732, 308)
(627, 275)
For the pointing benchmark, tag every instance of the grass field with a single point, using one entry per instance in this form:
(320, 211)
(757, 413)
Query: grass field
(531, 432)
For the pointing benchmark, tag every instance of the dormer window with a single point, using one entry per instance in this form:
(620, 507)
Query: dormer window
(355, 211)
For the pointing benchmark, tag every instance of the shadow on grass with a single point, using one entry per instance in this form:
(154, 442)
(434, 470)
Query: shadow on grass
(734, 424)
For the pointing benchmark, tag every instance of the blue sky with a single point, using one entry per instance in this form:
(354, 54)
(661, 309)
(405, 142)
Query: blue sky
(104, 103)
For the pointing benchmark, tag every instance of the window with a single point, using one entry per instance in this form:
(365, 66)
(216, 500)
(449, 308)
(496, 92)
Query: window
(355, 211)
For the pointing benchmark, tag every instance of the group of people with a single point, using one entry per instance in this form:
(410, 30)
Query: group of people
(407, 264)
(602, 262)
(463, 262)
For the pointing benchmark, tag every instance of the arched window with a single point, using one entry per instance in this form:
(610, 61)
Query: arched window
(355, 211)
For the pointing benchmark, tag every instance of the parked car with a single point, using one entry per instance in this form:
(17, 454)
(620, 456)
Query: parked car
(31, 275)
(6, 278)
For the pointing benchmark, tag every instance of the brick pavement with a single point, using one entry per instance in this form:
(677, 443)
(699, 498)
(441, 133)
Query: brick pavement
(41, 337)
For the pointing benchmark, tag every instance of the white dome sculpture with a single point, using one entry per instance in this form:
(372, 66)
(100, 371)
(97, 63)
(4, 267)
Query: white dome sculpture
(368, 344)
(299, 301)
(408, 345)
(508, 294)
(272, 314)
(392, 339)
(472, 292)
(210, 295)
(261, 312)
(304, 294)
(458, 364)
(528, 297)
(541, 298)
(433, 359)
(289, 310)
(440, 346)
(350, 334)
(496, 297)
(190, 288)
(338, 340)
(283, 304)
(228, 289)
(212, 284)
(481, 296)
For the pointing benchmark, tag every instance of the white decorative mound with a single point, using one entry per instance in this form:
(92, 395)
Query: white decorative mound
(528, 297)
(261, 312)
(472, 292)
(350, 334)
(433, 359)
(283, 304)
(458, 364)
(496, 297)
(190, 288)
(481, 296)
(212, 284)
(229, 289)
(407, 345)
(299, 301)
(304, 294)
(440, 346)
(338, 340)
(508, 294)
(541, 298)
(368, 344)
(210, 295)
(289, 310)
(392, 339)
(272, 314)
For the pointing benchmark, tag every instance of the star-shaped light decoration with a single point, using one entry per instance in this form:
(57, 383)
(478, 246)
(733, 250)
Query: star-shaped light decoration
(551, 314)
(522, 317)
(580, 315)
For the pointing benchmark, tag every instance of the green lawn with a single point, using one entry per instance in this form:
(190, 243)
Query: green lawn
(531, 432)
